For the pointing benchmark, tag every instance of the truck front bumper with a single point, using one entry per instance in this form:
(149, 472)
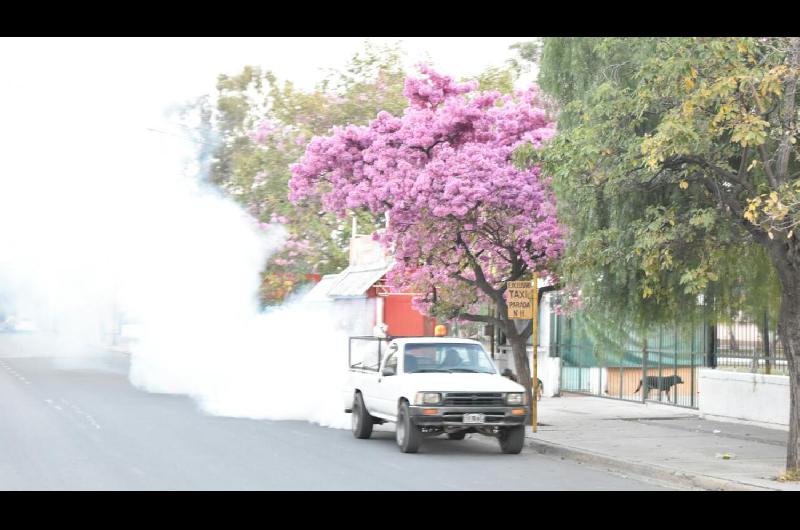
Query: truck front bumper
(454, 416)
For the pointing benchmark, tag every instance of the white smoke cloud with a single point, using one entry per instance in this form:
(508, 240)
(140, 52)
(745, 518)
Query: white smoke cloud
(99, 217)
(203, 335)
(183, 262)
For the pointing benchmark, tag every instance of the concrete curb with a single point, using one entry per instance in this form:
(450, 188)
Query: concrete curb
(657, 472)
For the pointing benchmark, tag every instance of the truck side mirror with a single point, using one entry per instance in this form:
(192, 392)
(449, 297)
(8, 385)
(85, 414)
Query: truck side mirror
(388, 370)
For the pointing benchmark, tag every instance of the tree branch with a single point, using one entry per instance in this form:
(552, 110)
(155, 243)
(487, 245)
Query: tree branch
(727, 176)
(743, 164)
(488, 319)
(788, 112)
(765, 160)
(480, 278)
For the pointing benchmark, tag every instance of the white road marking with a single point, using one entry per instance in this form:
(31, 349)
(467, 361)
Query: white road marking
(77, 410)
(88, 418)
(13, 372)
(83, 413)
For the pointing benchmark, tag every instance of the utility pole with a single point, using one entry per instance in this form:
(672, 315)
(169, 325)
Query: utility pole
(353, 238)
(535, 337)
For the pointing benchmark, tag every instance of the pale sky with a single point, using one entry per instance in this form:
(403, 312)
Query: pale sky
(65, 97)
(154, 70)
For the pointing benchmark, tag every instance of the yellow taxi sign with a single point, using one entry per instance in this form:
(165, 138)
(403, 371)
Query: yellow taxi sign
(520, 300)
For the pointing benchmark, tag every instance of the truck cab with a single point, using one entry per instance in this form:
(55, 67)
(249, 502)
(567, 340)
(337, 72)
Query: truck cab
(432, 386)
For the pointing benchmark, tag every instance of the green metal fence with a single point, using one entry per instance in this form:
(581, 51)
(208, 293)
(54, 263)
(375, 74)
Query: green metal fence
(617, 363)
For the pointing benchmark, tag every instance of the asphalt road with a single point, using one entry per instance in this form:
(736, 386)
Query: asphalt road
(76, 423)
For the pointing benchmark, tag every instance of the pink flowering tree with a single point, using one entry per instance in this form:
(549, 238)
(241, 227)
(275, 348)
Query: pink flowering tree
(462, 218)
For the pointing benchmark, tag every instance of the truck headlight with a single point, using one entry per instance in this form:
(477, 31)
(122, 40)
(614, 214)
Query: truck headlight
(428, 398)
(515, 398)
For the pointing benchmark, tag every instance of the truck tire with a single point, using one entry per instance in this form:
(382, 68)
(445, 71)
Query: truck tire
(512, 439)
(361, 420)
(408, 436)
(457, 435)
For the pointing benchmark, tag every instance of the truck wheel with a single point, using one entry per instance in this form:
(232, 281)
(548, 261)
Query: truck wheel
(361, 419)
(512, 439)
(456, 435)
(408, 436)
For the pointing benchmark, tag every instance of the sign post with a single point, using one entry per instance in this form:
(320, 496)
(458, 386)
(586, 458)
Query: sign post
(535, 340)
(523, 304)
(520, 302)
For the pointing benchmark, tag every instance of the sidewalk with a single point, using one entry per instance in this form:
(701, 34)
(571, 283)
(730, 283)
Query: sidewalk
(661, 442)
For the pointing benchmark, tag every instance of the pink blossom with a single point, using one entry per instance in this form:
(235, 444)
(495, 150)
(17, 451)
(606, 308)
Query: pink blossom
(275, 218)
(443, 171)
(263, 132)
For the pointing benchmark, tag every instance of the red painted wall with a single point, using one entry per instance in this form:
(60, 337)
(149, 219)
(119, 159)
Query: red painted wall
(404, 320)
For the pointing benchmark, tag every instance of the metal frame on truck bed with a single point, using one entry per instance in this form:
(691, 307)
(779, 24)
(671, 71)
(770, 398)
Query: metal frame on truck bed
(380, 351)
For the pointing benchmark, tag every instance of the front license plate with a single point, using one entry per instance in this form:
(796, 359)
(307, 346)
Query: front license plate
(474, 418)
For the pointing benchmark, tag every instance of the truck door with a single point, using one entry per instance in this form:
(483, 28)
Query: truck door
(387, 386)
(366, 360)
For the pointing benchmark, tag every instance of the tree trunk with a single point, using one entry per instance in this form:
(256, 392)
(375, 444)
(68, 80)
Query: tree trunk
(789, 330)
(733, 347)
(645, 389)
(520, 350)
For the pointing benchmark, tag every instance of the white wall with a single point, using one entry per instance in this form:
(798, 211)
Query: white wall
(544, 322)
(364, 250)
(549, 371)
(549, 367)
(757, 398)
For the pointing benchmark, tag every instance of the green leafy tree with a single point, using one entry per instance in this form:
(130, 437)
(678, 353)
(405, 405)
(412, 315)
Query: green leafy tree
(261, 125)
(528, 53)
(677, 172)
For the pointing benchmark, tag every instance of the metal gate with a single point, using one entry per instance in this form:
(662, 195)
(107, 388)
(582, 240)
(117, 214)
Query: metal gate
(661, 367)
(603, 360)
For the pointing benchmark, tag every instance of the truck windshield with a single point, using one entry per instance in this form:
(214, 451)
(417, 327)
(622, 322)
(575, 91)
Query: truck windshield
(444, 357)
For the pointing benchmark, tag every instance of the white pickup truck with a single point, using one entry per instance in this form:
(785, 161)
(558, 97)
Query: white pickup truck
(432, 386)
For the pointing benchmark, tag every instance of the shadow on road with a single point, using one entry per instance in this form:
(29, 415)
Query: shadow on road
(473, 444)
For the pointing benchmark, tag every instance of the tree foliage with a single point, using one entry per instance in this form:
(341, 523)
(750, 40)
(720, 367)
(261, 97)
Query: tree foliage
(680, 175)
(261, 125)
(463, 219)
(652, 133)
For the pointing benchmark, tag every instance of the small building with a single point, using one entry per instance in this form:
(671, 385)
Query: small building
(360, 293)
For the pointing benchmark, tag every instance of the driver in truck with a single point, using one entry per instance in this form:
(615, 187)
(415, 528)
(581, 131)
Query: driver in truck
(451, 359)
